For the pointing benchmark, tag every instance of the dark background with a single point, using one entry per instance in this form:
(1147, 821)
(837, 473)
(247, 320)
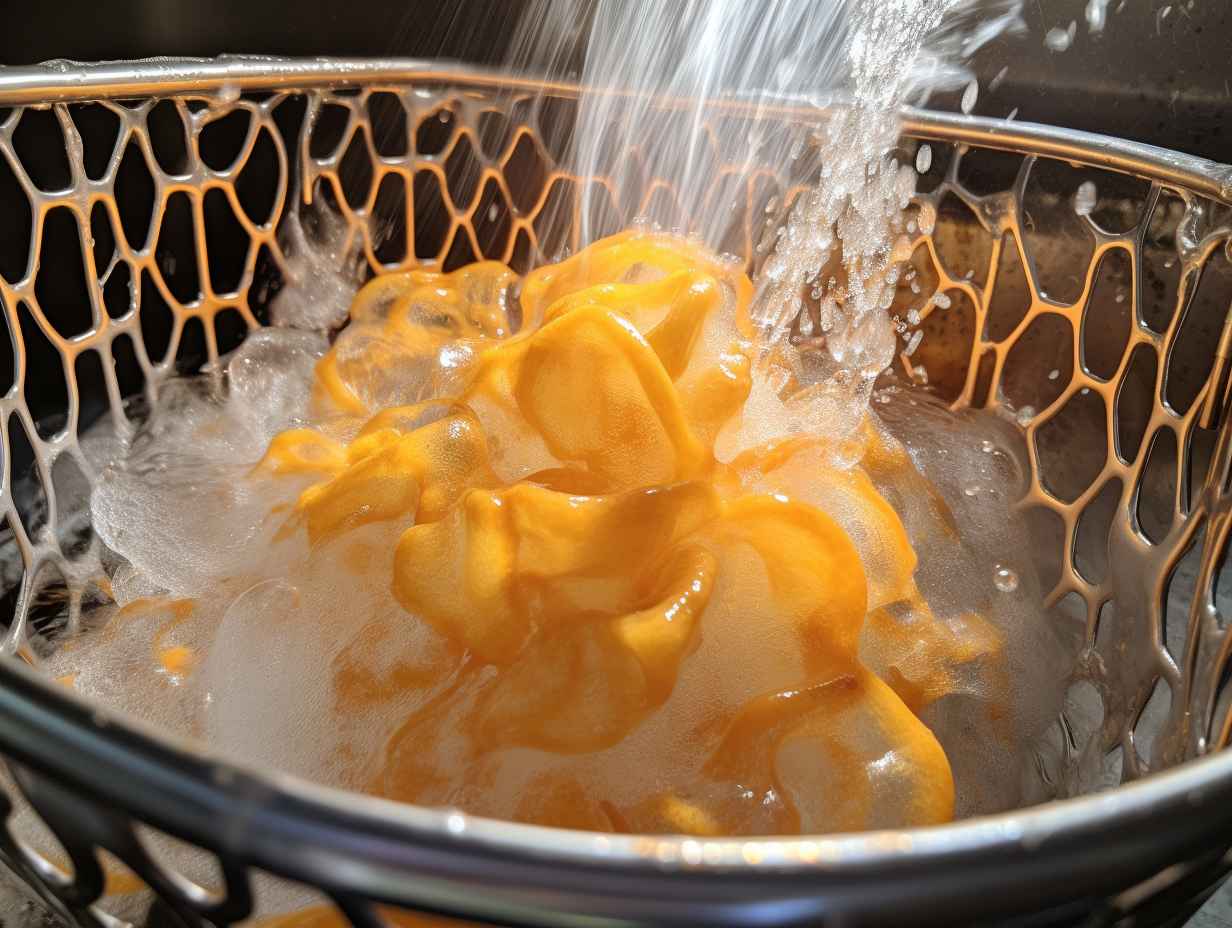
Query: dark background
(1160, 72)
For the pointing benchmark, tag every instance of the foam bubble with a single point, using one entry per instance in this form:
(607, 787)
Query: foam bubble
(270, 378)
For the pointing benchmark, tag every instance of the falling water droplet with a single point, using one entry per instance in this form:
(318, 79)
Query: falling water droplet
(969, 96)
(1004, 579)
(1097, 15)
(1054, 374)
(924, 159)
(987, 447)
(1058, 39)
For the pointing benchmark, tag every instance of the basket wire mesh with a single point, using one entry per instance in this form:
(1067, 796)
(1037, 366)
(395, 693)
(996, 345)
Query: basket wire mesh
(141, 239)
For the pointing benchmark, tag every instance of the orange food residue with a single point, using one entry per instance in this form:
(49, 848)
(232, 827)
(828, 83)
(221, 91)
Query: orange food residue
(569, 531)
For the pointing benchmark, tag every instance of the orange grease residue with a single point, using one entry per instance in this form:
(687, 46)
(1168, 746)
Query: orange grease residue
(570, 533)
(167, 614)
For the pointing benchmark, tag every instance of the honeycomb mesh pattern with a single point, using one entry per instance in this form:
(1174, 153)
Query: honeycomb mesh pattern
(141, 239)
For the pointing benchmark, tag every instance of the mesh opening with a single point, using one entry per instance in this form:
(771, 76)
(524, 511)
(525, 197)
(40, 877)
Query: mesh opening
(99, 129)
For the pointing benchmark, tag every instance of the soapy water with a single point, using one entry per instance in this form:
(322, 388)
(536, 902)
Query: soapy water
(262, 609)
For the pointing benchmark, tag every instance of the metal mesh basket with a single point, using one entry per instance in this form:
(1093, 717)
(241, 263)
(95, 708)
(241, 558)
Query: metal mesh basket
(140, 208)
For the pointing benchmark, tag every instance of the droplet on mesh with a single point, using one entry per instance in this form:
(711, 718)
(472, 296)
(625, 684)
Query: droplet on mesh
(1005, 579)
(1084, 199)
(1025, 416)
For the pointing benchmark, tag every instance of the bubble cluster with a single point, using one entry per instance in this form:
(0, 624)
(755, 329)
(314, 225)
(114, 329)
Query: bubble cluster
(585, 571)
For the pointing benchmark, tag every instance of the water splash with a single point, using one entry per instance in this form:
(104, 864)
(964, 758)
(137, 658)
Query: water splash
(848, 232)
(323, 264)
(1085, 198)
(659, 76)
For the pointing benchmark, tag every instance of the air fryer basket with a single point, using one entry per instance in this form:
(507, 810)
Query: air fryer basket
(140, 206)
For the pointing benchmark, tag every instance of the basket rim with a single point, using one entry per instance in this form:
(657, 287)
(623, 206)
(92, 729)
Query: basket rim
(352, 843)
(64, 81)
